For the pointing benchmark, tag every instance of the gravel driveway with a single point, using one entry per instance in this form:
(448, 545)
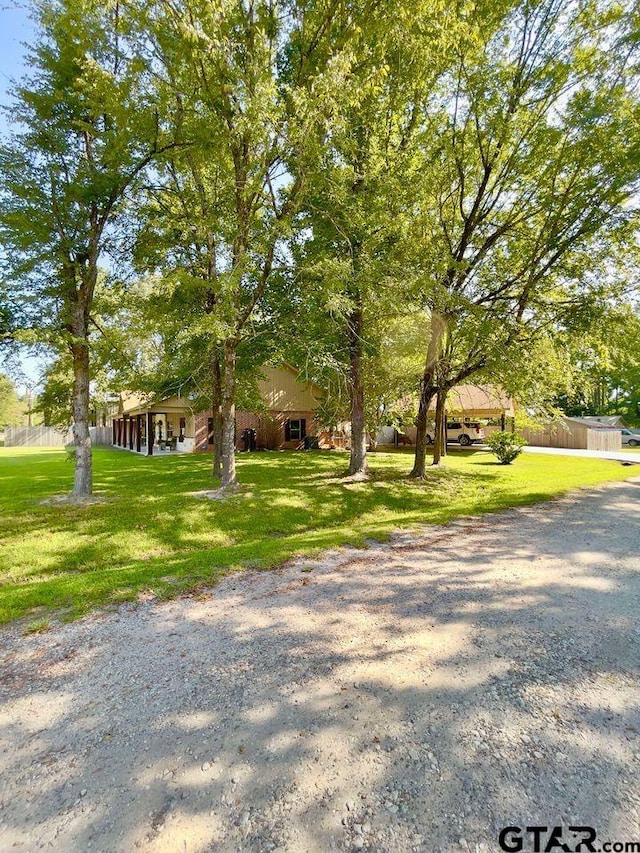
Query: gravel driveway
(419, 695)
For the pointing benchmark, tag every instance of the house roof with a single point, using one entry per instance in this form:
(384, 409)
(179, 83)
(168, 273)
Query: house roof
(615, 421)
(597, 423)
(478, 401)
(138, 403)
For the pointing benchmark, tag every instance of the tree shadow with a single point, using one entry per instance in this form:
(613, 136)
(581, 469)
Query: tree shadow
(420, 695)
(154, 533)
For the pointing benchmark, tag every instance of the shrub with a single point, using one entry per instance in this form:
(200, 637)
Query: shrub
(506, 446)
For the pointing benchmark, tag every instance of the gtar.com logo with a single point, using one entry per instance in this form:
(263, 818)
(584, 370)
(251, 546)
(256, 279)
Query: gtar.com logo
(575, 839)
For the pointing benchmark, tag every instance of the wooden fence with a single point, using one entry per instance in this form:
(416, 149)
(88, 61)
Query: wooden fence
(570, 435)
(604, 439)
(41, 436)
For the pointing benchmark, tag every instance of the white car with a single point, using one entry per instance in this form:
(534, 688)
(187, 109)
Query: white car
(630, 437)
(464, 432)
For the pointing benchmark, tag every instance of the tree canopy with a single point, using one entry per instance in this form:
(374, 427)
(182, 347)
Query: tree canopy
(412, 194)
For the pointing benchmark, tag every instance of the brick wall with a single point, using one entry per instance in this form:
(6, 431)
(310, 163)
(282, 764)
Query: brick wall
(269, 429)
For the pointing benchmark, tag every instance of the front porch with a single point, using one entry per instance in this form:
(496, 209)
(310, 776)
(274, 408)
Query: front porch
(154, 430)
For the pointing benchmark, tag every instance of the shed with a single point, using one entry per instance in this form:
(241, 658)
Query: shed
(612, 421)
(575, 434)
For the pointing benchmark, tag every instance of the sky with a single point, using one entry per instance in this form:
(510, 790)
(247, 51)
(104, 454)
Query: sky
(15, 29)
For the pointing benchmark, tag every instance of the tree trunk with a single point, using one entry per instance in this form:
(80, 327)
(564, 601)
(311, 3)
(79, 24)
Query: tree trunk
(427, 390)
(419, 462)
(358, 457)
(216, 398)
(83, 474)
(217, 441)
(439, 438)
(444, 451)
(229, 415)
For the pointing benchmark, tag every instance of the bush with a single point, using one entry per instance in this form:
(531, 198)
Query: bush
(506, 446)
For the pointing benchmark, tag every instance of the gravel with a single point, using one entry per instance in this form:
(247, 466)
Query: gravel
(413, 696)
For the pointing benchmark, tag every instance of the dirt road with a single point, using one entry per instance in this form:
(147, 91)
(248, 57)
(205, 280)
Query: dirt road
(420, 695)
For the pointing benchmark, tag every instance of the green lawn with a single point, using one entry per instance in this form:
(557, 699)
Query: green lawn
(152, 534)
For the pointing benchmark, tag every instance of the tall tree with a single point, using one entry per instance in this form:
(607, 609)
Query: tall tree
(254, 81)
(85, 127)
(361, 194)
(529, 167)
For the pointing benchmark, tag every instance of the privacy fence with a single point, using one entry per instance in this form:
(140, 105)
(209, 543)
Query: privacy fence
(42, 436)
(569, 434)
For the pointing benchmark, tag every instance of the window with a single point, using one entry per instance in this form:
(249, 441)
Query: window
(295, 430)
(209, 430)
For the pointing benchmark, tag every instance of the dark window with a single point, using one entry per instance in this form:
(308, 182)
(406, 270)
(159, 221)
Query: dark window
(295, 430)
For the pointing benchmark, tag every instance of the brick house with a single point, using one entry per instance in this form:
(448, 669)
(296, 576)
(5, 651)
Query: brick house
(287, 419)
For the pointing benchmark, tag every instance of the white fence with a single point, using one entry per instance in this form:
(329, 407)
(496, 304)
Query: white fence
(41, 436)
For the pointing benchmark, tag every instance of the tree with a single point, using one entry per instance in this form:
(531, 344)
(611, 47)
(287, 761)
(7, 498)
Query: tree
(603, 374)
(254, 82)
(11, 410)
(529, 169)
(361, 196)
(87, 127)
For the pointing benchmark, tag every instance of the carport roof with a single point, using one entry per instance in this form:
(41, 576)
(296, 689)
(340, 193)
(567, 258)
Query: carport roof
(478, 401)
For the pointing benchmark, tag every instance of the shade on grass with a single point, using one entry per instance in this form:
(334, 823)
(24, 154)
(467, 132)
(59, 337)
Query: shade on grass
(151, 533)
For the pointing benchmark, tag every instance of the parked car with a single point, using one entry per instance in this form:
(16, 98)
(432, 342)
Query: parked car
(464, 432)
(630, 437)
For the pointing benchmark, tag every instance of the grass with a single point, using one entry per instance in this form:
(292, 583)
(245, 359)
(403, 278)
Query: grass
(151, 534)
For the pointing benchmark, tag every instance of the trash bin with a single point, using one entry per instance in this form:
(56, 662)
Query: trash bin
(311, 442)
(249, 439)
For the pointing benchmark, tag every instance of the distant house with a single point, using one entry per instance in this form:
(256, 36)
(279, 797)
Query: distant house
(287, 419)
